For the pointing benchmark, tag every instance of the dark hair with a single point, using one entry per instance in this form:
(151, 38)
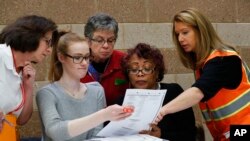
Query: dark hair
(145, 51)
(25, 33)
(100, 21)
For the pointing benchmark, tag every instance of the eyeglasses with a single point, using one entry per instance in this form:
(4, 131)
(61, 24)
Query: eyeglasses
(144, 71)
(101, 42)
(78, 59)
(48, 42)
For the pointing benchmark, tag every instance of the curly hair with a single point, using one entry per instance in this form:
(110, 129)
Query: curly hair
(145, 51)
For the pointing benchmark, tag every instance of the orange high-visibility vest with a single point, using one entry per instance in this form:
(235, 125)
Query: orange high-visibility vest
(228, 106)
(9, 132)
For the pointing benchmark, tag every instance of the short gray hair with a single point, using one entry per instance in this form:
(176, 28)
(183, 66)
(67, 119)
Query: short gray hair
(100, 21)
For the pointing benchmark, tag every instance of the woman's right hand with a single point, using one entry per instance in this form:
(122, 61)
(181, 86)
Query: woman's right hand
(117, 112)
(159, 117)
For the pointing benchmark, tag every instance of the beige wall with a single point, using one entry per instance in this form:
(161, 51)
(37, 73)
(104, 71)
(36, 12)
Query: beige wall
(139, 21)
(125, 11)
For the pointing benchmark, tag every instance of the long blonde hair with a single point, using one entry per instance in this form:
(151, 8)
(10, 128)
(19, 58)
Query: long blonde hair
(64, 41)
(207, 38)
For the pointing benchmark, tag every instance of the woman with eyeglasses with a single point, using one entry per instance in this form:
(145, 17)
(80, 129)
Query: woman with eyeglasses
(101, 30)
(71, 110)
(22, 43)
(144, 68)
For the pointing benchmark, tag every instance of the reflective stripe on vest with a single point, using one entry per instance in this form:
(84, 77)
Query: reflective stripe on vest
(237, 104)
(247, 71)
(228, 110)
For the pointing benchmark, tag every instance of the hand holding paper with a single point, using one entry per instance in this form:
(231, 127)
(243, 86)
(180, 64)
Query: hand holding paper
(128, 109)
(146, 106)
(116, 112)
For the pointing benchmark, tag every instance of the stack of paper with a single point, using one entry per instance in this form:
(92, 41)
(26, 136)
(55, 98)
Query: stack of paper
(138, 137)
(147, 104)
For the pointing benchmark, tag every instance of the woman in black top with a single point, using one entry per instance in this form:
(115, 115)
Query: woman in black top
(144, 68)
(222, 86)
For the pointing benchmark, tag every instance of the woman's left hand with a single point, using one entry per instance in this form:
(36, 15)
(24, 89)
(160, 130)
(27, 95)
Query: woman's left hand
(159, 117)
(155, 131)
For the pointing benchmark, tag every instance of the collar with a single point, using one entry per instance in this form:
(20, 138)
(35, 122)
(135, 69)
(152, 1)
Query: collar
(115, 58)
(158, 86)
(7, 56)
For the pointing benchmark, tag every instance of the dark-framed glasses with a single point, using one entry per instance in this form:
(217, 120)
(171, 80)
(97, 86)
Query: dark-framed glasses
(144, 71)
(101, 42)
(48, 41)
(78, 59)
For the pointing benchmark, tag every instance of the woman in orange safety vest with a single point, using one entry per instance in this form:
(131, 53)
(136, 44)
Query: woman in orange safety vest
(222, 86)
(26, 41)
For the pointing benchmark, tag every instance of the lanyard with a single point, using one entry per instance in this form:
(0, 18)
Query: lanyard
(22, 90)
(23, 100)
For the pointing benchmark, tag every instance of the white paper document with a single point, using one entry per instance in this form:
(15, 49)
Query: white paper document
(138, 137)
(147, 104)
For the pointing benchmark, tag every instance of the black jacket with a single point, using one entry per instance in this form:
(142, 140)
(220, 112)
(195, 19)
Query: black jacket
(178, 126)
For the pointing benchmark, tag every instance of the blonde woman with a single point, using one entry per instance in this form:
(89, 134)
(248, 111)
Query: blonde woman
(222, 86)
(71, 110)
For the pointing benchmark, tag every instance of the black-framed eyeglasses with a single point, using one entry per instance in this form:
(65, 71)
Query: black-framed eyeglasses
(78, 59)
(48, 41)
(144, 71)
(102, 41)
